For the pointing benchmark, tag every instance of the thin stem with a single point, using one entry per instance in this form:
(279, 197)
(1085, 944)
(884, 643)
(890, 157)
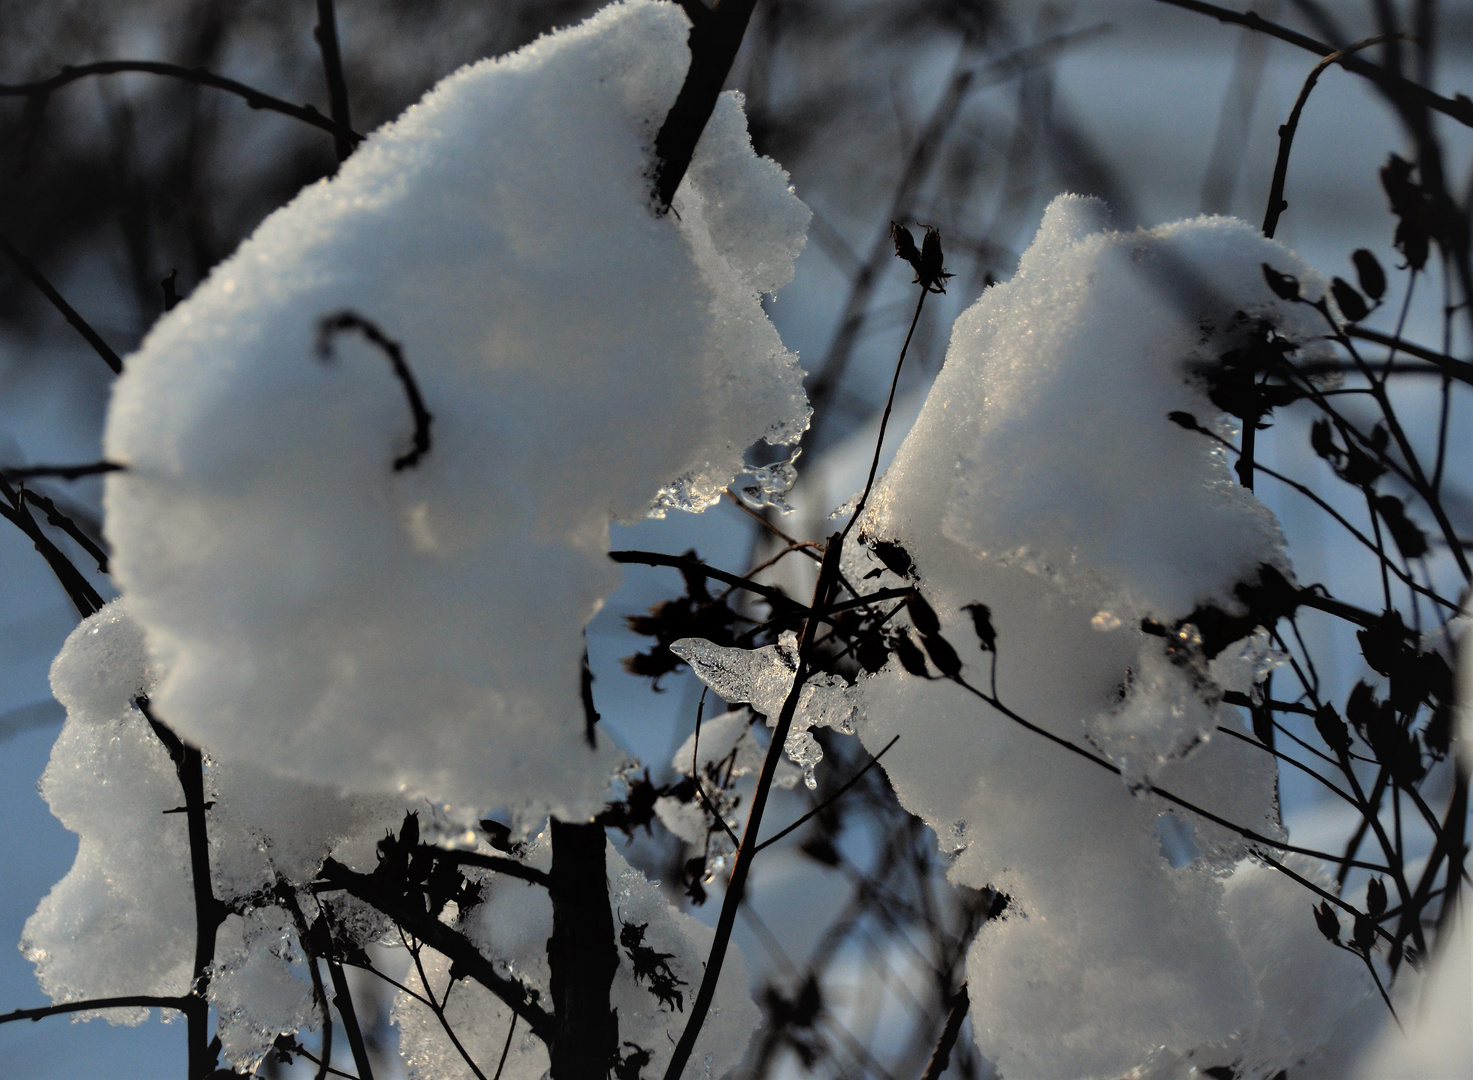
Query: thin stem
(443, 939)
(69, 313)
(326, 34)
(506, 1048)
(955, 1014)
(125, 1001)
(748, 848)
(209, 912)
(1393, 85)
(885, 416)
(343, 999)
(1459, 370)
(821, 807)
(436, 1008)
(42, 88)
(1276, 203)
(1104, 763)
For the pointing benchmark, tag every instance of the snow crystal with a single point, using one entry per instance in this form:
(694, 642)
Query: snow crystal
(583, 358)
(512, 926)
(259, 985)
(763, 678)
(1074, 508)
(1059, 388)
(122, 921)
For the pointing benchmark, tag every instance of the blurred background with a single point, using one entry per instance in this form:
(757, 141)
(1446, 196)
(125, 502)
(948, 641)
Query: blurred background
(966, 114)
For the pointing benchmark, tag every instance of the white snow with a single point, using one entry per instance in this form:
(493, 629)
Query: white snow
(122, 921)
(584, 359)
(1070, 505)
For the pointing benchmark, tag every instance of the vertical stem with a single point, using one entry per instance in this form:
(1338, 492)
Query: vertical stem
(208, 912)
(827, 574)
(326, 34)
(581, 954)
(343, 999)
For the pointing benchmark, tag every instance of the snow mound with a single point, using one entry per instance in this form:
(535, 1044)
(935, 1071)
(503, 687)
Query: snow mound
(122, 921)
(416, 629)
(1073, 507)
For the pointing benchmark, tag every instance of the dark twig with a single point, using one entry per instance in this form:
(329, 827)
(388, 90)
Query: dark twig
(326, 33)
(748, 849)
(1460, 109)
(956, 1013)
(773, 595)
(41, 88)
(344, 321)
(78, 589)
(437, 1007)
(923, 154)
(126, 1001)
(443, 939)
(715, 36)
(209, 913)
(506, 1048)
(1109, 766)
(499, 863)
(288, 899)
(1461, 370)
(61, 472)
(1276, 203)
(69, 313)
(874, 464)
(343, 999)
(57, 519)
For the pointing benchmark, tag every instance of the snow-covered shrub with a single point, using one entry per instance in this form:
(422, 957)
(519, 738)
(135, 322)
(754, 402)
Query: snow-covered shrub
(123, 920)
(1073, 507)
(1048, 479)
(582, 358)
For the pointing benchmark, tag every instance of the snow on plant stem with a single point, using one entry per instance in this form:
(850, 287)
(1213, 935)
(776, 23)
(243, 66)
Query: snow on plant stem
(353, 588)
(1046, 479)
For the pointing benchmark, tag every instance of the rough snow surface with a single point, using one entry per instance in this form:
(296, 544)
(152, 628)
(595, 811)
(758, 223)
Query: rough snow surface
(1044, 479)
(122, 921)
(583, 358)
(512, 926)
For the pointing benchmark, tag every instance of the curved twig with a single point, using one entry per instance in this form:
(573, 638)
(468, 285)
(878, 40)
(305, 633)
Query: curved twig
(344, 321)
(444, 940)
(1276, 203)
(1459, 108)
(256, 99)
(126, 1001)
